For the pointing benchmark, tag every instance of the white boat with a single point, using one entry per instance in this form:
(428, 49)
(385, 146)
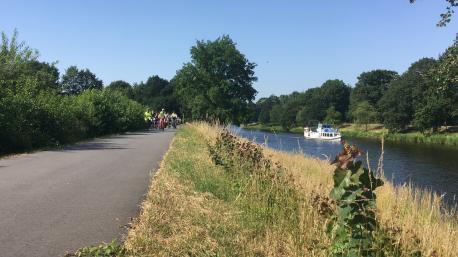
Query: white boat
(323, 132)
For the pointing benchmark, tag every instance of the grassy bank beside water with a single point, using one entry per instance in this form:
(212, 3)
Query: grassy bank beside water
(280, 208)
(377, 131)
(373, 131)
(273, 128)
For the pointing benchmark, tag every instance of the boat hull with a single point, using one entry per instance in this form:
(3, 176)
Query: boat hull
(323, 132)
(324, 138)
(315, 135)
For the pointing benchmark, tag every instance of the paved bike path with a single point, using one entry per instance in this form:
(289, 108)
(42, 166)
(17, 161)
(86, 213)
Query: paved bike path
(59, 200)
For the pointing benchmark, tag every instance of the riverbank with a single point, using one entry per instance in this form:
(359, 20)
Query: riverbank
(273, 128)
(374, 131)
(195, 207)
(377, 131)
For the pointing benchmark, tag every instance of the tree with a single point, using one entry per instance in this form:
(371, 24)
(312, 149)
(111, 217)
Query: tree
(405, 95)
(431, 115)
(264, 116)
(76, 81)
(445, 81)
(13, 55)
(314, 107)
(263, 107)
(276, 113)
(336, 94)
(157, 93)
(396, 106)
(370, 87)
(288, 116)
(44, 75)
(304, 116)
(145, 92)
(333, 116)
(218, 82)
(364, 113)
(440, 95)
(121, 86)
(446, 17)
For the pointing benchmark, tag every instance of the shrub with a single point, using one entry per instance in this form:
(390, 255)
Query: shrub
(31, 118)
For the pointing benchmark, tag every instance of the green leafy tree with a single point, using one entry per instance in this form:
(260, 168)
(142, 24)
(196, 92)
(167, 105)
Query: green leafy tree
(333, 116)
(445, 81)
(446, 17)
(76, 81)
(304, 116)
(264, 116)
(431, 115)
(396, 106)
(14, 56)
(263, 107)
(19, 67)
(45, 76)
(217, 83)
(120, 85)
(276, 113)
(306, 108)
(147, 92)
(372, 85)
(288, 116)
(314, 107)
(335, 93)
(440, 95)
(364, 113)
(157, 93)
(405, 95)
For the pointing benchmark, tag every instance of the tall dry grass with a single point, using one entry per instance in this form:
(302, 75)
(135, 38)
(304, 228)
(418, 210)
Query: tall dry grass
(192, 209)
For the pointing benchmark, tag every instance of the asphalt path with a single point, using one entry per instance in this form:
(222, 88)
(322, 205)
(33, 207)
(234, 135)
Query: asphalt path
(84, 194)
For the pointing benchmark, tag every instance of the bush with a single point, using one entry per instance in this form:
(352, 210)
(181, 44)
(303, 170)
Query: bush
(105, 112)
(30, 118)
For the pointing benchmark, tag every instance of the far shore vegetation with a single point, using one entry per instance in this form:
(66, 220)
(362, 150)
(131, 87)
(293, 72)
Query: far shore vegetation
(445, 136)
(419, 105)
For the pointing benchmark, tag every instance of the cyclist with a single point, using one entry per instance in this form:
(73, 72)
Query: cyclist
(162, 122)
(148, 118)
(174, 118)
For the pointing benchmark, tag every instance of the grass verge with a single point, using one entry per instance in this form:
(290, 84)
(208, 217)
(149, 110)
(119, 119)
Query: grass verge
(197, 208)
(274, 128)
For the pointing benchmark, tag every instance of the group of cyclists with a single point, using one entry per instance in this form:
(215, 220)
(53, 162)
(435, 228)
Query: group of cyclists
(161, 120)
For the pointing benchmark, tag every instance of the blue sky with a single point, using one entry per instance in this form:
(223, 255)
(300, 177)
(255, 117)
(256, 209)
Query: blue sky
(296, 44)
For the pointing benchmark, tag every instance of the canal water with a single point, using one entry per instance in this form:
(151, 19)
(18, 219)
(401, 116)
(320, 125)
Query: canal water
(426, 166)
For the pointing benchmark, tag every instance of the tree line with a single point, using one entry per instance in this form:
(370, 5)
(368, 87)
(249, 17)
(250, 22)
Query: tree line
(41, 107)
(424, 98)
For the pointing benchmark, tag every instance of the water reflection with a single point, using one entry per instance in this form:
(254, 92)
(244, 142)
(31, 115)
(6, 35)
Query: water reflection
(426, 166)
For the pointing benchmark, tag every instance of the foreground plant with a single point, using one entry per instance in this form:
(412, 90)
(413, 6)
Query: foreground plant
(354, 225)
(111, 249)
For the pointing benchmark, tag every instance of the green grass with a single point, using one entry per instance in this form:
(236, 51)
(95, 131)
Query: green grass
(274, 128)
(197, 208)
